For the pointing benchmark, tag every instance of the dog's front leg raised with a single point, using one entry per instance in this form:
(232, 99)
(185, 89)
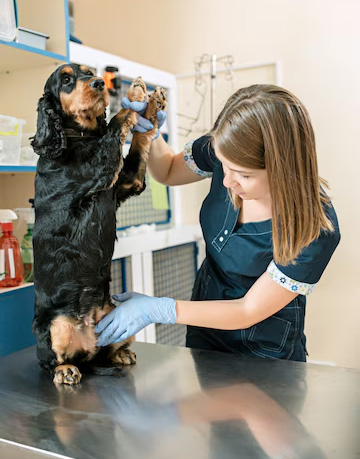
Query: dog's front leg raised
(132, 176)
(111, 144)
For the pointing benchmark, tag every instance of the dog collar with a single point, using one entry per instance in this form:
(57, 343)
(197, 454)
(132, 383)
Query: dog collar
(78, 134)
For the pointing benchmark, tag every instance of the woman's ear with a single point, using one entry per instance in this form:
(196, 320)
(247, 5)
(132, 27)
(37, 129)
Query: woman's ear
(49, 140)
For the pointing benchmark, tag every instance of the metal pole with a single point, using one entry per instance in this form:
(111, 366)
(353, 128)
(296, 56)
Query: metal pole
(235, 68)
(213, 83)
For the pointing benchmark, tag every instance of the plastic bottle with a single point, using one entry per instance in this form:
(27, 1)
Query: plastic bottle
(26, 248)
(11, 265)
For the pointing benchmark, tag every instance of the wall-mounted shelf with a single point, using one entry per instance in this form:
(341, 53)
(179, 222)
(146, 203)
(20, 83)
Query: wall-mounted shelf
(12, 289)
(16, 56)
(17, 169)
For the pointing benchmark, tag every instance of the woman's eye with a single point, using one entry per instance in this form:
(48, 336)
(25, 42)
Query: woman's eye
(244, 176)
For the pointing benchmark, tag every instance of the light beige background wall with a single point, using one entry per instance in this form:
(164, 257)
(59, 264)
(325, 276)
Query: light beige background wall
(317, 42)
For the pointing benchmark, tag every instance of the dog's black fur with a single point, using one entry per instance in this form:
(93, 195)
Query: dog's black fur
(80, 181)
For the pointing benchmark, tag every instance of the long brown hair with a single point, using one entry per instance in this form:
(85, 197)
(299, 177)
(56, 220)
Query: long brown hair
(267, 127)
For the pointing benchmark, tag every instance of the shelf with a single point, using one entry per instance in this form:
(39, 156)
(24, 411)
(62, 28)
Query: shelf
(12, 289)
(16, 169)
(16, 56)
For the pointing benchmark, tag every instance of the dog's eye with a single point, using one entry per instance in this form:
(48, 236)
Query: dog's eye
(89, 72)
(66, 79)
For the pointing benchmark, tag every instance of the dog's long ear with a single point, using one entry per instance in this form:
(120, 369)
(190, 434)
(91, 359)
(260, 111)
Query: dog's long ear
(49, 140)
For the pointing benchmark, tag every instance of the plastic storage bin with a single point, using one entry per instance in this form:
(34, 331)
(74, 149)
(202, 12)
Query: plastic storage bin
(10, 139)
(27, 155)
(8, 20)
(32, 38)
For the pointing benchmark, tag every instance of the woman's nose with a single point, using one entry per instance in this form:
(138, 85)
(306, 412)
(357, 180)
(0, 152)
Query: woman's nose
(228, 180)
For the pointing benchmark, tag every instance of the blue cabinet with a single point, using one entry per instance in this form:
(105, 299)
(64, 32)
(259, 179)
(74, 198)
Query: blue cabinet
(16, 315)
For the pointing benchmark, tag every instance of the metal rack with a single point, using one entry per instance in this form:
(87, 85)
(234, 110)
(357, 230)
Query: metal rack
(174, 271)
(140, 210)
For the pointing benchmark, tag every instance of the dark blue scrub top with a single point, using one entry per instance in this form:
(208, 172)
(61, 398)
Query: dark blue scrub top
(236, 256)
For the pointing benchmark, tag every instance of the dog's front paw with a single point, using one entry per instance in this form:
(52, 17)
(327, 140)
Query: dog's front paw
(157, 102)
(137, 91)
(139, 186)
(67, 374)
(123, 356)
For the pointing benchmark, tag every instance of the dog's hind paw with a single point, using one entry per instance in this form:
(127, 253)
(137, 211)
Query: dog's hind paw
(67, 374)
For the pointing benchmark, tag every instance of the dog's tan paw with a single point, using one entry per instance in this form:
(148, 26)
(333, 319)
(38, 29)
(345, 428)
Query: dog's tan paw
(124, 356)
(138, 185)
(157, 101)
(67, 374)
(137, 91)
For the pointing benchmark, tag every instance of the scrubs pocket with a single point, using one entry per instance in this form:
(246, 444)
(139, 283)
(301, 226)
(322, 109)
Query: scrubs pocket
(269, 338)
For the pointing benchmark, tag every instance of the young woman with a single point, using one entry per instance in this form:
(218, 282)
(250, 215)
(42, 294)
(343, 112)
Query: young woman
(269, 228)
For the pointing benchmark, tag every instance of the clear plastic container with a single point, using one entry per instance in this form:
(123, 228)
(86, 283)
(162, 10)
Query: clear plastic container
(8, 20)
(32, 38)
(27, 155)
(10, 139)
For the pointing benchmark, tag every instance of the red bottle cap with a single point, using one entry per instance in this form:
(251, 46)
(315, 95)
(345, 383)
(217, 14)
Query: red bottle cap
(7, 226)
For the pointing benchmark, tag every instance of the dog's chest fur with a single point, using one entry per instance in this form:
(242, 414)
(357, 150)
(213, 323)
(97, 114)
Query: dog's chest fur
(74, 232)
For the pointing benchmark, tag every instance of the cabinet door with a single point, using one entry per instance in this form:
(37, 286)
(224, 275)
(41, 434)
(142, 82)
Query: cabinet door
(16, 315)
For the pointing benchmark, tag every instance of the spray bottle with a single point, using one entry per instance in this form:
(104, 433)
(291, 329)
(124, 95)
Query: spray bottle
(26, 248)
(11, 265)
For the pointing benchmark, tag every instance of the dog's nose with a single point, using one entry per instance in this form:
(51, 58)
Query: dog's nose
(98, 84)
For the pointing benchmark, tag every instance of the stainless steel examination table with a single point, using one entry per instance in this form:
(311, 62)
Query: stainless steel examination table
(181, 403)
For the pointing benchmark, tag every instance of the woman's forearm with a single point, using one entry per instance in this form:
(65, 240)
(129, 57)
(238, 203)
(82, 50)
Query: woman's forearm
(160, 160)
(167, 167)
(264, 299)
(220, 314)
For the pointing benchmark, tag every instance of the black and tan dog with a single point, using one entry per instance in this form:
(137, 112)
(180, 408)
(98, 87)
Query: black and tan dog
(80, 181)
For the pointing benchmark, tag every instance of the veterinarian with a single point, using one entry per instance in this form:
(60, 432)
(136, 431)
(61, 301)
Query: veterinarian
(269, 228)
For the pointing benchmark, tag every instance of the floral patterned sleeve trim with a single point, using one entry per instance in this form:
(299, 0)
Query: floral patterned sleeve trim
(302, 288)
(189, 159)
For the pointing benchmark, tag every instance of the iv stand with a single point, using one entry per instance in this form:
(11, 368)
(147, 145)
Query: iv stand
(212, 60)
(229, 68)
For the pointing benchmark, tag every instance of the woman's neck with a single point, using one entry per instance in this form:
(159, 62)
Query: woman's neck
(255, 210)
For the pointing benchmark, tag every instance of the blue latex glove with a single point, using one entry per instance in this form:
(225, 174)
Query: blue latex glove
(143, 124)
(133, 315)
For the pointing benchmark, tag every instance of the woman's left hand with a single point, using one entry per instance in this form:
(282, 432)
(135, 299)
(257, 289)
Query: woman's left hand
(143, 124)
(136, 312)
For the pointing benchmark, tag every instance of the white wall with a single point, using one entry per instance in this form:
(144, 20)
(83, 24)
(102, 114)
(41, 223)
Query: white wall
(317, 42)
